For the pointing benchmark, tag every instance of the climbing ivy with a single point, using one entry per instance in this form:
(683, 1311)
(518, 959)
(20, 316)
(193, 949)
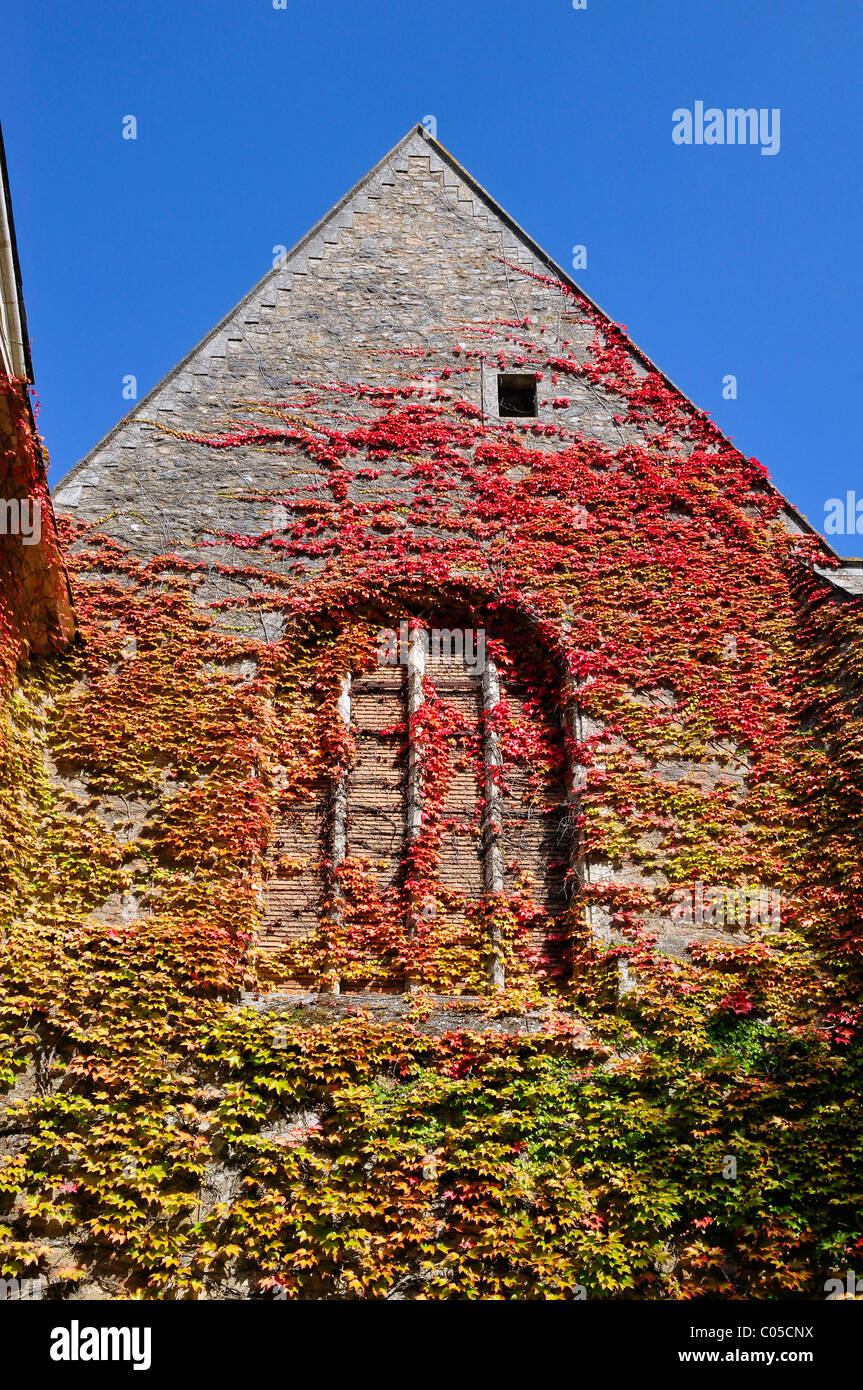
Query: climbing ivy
(171, 1132)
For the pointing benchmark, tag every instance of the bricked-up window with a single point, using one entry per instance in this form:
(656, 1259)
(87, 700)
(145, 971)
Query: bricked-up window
(422, 841)
(516, 394)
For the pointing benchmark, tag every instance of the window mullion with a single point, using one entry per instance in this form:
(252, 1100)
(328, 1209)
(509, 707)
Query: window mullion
(492, 827)
(415, 698)
(340, 814)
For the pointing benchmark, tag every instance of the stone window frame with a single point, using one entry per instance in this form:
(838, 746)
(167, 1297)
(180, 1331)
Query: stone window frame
(492, 826)
(489, 388)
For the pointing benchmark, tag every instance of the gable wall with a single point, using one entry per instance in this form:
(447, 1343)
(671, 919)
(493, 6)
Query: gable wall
(414, 277)
(414, 259)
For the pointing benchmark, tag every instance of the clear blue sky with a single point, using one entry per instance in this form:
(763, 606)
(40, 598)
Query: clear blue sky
(253, 121)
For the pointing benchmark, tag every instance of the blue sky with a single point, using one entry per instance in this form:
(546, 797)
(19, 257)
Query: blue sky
(253, 121)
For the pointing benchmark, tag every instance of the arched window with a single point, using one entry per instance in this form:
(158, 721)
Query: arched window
(440, 855)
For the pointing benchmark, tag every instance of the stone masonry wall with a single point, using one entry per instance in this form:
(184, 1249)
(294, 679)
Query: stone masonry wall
(414, 275)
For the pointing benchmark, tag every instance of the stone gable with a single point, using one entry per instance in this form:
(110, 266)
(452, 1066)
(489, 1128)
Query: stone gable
(410, 259)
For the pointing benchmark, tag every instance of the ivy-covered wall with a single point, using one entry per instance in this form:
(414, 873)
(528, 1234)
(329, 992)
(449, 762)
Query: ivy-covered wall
(35, 605)
(676, 1115)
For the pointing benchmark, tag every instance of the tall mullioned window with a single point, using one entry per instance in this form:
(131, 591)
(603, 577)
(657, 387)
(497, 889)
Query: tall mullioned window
(456, 795)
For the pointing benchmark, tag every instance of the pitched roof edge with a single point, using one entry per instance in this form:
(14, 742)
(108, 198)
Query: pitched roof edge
(17, 286)
(223, 322)
(476, 187)
(565, 278)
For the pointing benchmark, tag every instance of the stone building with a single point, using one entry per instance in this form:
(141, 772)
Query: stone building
(36, 599)
(436, 855)
(415, 283)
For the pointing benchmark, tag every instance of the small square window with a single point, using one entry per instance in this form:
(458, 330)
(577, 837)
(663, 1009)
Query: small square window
(516, 395)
